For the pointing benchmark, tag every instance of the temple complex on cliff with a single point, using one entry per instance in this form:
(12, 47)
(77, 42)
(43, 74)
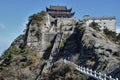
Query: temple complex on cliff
(60, 12)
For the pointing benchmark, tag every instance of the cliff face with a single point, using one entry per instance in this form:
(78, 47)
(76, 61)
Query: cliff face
(99, 53)
(51, 39)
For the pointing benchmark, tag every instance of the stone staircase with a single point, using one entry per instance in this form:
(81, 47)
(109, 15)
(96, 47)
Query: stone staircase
(54, 51)
(56, 46)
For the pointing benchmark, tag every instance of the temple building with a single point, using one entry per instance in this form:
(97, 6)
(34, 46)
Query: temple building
(60, 12)
(104, 22)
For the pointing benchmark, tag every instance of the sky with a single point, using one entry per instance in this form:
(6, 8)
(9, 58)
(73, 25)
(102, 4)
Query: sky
(14, 14)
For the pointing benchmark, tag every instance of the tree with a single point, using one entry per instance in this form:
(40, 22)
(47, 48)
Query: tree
(94, 25)
(37, 18)
(110, 34)
(118, 38)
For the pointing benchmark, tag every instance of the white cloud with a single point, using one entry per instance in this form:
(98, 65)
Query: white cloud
(12, 33)
(118, 29)
(2, 26)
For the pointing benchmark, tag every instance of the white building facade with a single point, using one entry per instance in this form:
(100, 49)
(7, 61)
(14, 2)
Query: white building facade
(103, 22)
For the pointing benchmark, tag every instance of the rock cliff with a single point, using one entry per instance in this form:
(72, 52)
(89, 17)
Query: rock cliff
(37, 54)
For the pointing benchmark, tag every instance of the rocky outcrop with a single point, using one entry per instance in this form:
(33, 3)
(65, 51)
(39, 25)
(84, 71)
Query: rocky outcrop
(98, 41)
(47, 40)
(99, 51)
(18, 41)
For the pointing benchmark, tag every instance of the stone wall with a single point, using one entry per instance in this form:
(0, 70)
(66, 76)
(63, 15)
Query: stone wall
(109, 24)
(47, 39)
(103, 22)
(49, 28)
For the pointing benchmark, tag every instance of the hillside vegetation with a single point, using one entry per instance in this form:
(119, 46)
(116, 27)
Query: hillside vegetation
(38, 54)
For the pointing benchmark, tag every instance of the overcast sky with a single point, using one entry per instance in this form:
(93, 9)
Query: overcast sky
(14, 14)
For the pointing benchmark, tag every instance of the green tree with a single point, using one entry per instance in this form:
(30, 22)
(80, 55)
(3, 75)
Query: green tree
(37, 18)
(118, 38)
(110, 34)
(9, 55)
(38, 34)
(94, 25)
(13, 50)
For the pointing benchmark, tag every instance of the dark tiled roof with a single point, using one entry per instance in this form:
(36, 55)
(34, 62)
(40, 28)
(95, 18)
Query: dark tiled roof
(58, 7)
(102, 18)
